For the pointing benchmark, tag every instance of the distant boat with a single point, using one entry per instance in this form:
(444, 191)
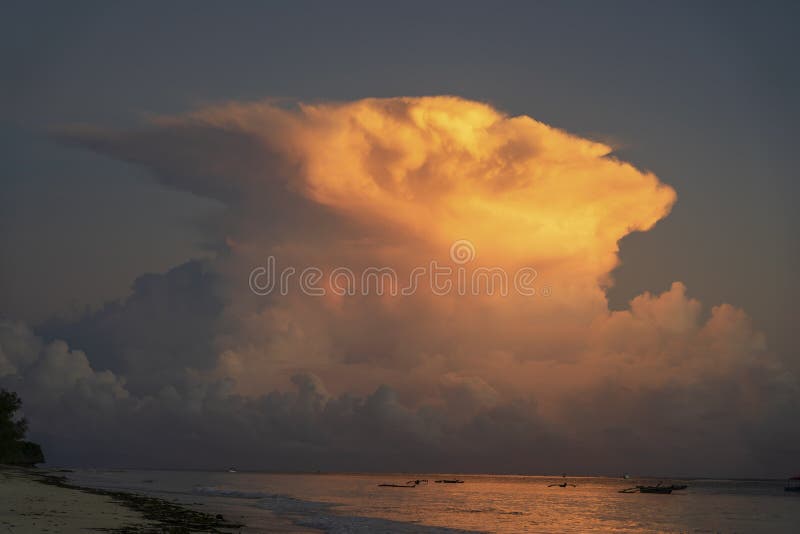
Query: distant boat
(655, 489)
(626, 476)
(564, 484)
(231, 470)
(409, 484)
(449, 481)
(793, 484)
(658, 488)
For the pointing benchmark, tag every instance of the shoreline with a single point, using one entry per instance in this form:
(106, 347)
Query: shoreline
(54, 501)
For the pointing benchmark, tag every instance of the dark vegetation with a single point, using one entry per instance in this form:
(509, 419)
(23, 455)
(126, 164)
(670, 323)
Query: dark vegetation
(14, 450)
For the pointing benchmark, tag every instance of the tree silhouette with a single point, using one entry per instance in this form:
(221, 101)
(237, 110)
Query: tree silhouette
(13, 447)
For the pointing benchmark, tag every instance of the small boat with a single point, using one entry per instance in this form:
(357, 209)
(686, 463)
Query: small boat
(793, 484)
(397, 485)
(563, 484)
(666, 490)
(658, 488)
(449, 481)
(232, 470)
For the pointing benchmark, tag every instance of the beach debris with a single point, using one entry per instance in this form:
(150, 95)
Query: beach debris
(168, 516)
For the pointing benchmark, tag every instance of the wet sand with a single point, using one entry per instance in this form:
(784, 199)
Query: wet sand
(34, 501)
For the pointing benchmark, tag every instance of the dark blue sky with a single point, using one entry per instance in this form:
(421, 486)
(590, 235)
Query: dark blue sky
(701, 93)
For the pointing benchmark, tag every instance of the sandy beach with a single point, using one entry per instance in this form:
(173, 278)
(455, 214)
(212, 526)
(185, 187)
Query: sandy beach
(34, 501)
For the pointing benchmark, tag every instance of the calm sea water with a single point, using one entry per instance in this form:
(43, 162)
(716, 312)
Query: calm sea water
(342, 503)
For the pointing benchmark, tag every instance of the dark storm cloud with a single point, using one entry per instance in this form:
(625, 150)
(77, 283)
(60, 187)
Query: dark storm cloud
(165, 326)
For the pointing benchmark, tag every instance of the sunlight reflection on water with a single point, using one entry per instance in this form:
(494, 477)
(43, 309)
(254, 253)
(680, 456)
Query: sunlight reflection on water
(505, 504)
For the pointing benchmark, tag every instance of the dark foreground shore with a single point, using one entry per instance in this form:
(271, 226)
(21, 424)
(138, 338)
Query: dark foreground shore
(33, 500)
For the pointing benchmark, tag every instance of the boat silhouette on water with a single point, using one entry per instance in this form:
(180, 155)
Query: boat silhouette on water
(409, 484)
(655, 489)
(658, 489)
(563, 484)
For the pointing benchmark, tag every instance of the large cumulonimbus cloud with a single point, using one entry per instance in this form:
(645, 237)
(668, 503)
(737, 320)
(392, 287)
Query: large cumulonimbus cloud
(422, 381)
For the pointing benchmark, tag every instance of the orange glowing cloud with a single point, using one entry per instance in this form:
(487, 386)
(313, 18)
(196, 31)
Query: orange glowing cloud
(394, 182)
(442, 168)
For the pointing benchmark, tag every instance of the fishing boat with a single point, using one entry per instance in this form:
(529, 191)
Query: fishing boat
(658, 489)
(562, 485)
(449, 481)
(409, 484)
(793, 484)
(666, 490)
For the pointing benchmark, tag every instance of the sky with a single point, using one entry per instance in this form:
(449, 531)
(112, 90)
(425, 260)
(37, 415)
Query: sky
(636, 155)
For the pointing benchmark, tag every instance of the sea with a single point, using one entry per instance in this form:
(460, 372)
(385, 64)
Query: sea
(355, 503)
